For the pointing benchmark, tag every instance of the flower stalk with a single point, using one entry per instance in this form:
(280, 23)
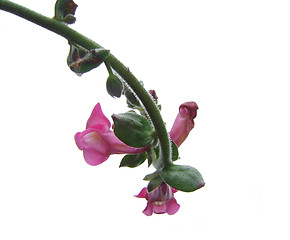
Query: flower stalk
(74, 36)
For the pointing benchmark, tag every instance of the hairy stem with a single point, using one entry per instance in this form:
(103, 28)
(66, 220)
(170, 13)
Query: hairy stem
(74, 36)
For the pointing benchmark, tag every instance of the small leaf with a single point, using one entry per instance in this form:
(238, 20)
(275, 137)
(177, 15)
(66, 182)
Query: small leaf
(133, 129)
(183, 178)
(133, 160)
(154, 183)
(64, 10)
(76, 52)
(80, 60)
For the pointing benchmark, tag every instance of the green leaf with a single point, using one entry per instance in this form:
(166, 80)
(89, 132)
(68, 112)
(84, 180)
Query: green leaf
(133, 129)
(154, 183)
(64, 11)
(133, 160)
(183, 178)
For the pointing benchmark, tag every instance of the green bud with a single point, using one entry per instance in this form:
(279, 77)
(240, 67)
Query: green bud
(133, 129)
(132, 100)
(133, 160)
(114, 86)
(183, 178)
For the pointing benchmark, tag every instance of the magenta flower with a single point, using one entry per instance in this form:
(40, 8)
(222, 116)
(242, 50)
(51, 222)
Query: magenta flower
(160, 200)
(183, 123)
(98, 142)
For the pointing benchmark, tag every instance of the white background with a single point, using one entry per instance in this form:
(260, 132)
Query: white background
(231, 57)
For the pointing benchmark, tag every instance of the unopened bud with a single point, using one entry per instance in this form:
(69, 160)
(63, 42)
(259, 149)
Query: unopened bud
(114, 86)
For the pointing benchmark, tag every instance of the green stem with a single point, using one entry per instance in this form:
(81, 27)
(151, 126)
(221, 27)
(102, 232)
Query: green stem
(74, 36)
(109, 68)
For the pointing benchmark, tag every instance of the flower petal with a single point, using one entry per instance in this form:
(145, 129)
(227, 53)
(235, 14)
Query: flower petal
(98, 118)
(91, 139)
(95, 150)
(143, 193)
(81, 141)
(93, 157)
(173, 190)
(159, 208)
(172, 206)
(148, 211)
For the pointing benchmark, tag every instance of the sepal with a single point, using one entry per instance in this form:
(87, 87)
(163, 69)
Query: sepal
(133, 129)
(64, 11)
(183, 178)
(154, 183)
(150, 176)
(174, 151)
(80, 60)
(133, 160)
(152, 156)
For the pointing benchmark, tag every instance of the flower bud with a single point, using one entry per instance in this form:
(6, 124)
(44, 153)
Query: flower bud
(154, 95)
(184, 122)
(160, 200)
(132, 100)
(114, 86)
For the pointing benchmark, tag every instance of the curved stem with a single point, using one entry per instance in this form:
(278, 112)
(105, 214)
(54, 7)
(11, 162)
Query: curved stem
(74, 36)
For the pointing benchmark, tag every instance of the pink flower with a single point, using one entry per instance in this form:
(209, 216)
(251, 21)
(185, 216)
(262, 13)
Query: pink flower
(183, 123)
(160, 200)
(98, 142)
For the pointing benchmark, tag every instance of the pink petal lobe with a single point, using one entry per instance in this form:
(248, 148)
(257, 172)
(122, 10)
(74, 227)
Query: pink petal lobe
(148, 211)
(98, 118)
(172, 207)
(81, 139)
(143, 193)
(159, 208)
(94, 157)
(90, 139)
(173, 190)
